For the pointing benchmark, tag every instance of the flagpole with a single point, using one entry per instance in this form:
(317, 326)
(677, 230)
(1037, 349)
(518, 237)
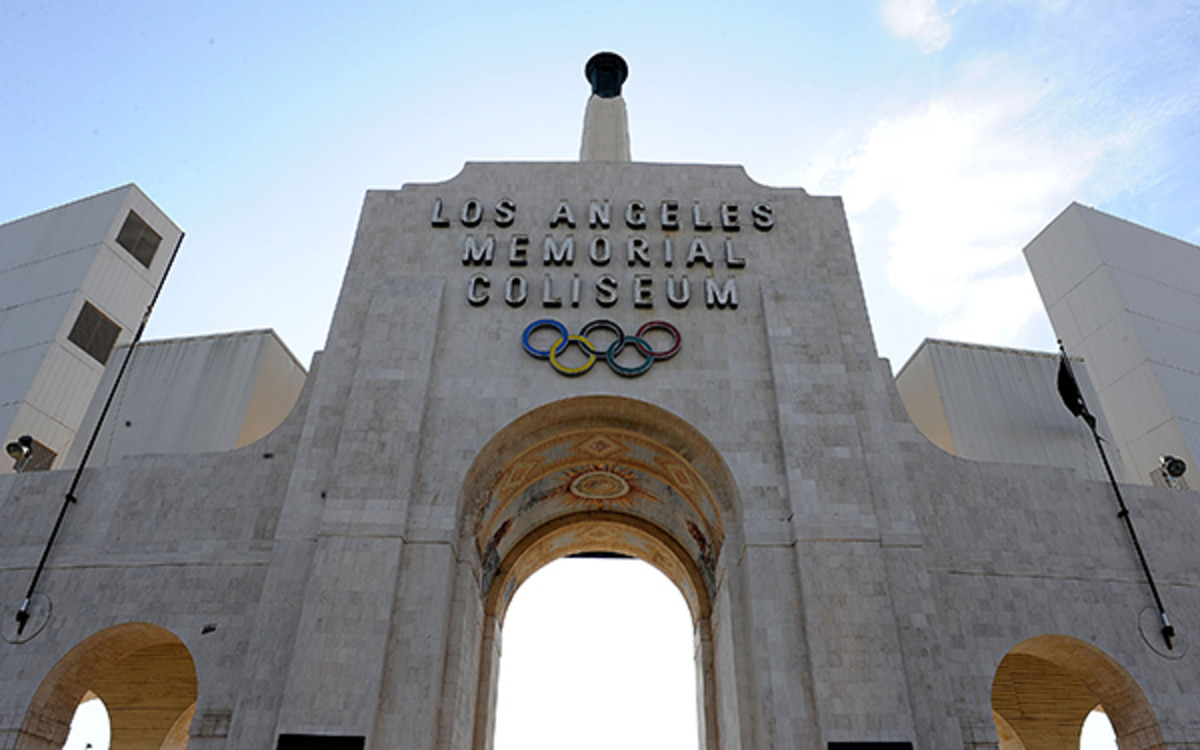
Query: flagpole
(1068, 388)
(22, 616)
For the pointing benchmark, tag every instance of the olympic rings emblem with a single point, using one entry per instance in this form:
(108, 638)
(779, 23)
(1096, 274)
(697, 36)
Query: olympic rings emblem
(610, 353)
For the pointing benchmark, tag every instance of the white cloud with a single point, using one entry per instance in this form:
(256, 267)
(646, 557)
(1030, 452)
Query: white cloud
(968, 185)
(947, 194)
(944, 192)
(919, 20)
(995, 310)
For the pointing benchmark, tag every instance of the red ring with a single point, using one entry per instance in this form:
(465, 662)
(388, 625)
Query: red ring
(660, 325)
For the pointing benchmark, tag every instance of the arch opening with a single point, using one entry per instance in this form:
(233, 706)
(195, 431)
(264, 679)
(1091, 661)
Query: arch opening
(600, 651)
(90, 725)
(145, 677)
(1046, 687)
(597, 474)
(1097, 732)
(604, 532)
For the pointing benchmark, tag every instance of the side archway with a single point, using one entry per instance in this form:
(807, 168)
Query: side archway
(1046, 686)
(598, 474)
(142, 672)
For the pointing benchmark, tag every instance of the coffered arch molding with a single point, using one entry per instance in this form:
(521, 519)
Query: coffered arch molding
(614, 412)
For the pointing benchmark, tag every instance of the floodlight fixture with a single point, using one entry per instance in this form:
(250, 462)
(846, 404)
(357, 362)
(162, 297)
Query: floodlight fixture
(1173, 468)
(20, 449)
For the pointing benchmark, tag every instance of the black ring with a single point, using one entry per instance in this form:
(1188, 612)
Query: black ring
(605, 323)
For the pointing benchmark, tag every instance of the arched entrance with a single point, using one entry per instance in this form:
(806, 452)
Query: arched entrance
(1046, 686)
(598, 650)
(599, 474)
(144, 675)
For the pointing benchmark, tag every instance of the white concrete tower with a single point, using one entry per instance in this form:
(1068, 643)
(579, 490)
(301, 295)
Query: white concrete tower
(74, 283)
(1127, 300)
(605, 122)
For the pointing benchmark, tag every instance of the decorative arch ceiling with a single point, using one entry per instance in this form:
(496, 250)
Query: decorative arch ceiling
(619, 477)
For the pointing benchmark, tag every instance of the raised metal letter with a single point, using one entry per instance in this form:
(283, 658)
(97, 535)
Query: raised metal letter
(599, 214)
(477, 289)
(606, 290)
(506, 211)
(476, 254)
(670, 214)
(635, 251)
(599, 250)
(643, 291)
(763, 216)
(558, 254)
(438, 220)
(563, 214)
(517, 248)
(729, 217)
(548, 298)
(516, 289)
(681, 296)
(472, 213)
(699, 251)
(732, 261)
(635, 215)
(715, 296)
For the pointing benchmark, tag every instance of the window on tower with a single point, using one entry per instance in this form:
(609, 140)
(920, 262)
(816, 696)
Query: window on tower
(94, 333)
(139, 239)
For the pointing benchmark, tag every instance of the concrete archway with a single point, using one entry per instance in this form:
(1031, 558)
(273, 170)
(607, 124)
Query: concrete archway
(144, 675)
(599, 474)
(1046, 686)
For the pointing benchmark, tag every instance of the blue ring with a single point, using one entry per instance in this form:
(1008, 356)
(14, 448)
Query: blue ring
(561, 344)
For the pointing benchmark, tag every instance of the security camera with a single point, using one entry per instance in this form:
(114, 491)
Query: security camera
(1173, 467)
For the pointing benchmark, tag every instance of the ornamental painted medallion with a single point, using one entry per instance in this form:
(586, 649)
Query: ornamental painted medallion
(600, 487)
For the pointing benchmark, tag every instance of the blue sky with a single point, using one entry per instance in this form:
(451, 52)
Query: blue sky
(955, 131)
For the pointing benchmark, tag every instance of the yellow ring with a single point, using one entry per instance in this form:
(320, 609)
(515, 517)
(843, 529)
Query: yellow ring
(584, 344)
